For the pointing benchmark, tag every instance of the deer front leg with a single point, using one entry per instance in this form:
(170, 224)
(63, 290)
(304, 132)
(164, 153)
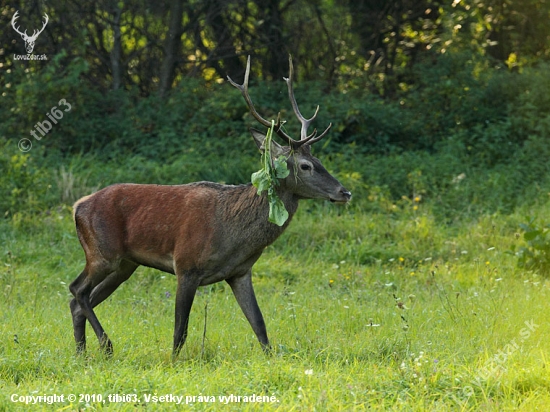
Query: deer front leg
(188, 282)
(244, 293)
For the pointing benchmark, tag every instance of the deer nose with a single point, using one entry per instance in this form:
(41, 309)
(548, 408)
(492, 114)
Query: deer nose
(346, 194)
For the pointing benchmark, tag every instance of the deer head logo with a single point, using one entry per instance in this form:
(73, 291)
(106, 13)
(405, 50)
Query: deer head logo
(29, 40)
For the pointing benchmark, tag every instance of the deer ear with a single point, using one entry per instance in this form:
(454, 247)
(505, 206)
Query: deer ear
(259, 138)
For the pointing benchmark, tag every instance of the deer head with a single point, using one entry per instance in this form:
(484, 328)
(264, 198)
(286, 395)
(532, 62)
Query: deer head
(308, 179)
(29, 40)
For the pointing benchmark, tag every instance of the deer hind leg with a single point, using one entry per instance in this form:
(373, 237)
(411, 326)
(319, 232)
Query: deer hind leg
(81, 288)
(88, 294)
(79, 326)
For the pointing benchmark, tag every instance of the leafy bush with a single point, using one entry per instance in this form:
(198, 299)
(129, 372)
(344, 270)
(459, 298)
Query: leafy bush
(468, 140)
(536, 255)
(23, 184)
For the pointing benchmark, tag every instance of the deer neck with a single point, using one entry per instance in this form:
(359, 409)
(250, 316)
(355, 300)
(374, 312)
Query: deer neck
(249, 213)
(289, 199)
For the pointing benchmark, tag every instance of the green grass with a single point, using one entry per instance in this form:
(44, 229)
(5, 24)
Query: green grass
(377, 311)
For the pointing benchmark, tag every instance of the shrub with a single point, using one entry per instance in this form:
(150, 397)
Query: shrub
(536, 254)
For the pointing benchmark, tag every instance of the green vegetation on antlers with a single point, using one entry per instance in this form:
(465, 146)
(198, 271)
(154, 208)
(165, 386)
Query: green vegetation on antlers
(267, 179)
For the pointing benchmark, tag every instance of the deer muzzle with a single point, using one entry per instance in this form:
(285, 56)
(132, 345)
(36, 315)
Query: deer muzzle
(343, 196)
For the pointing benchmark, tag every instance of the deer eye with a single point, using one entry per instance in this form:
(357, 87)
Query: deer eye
(305, 166)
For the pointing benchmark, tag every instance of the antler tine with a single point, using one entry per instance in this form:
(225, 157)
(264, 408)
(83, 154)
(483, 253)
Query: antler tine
(37, 32)
(43, 26)
(305, 122)
(304, 138)
(312, 139)
(13, 19)
(244, 91)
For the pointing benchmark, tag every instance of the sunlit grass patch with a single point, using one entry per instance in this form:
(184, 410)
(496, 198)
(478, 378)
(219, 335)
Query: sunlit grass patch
(363, 311)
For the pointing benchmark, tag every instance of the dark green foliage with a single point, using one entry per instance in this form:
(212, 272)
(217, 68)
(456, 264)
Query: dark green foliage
(536, 254)
(466, 139)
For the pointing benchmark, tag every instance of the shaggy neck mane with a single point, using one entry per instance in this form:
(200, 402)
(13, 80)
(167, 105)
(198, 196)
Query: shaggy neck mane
(241, 205)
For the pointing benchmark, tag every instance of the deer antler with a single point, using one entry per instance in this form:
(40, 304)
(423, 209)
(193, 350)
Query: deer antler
(244, 91)
(34, 36)
(294, 144)
(15, 17)
(304, 138)
(35, 32)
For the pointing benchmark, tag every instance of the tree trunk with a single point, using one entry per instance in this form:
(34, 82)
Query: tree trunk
(116, 52)
(224, 51)
(271, 31)
(172, 47)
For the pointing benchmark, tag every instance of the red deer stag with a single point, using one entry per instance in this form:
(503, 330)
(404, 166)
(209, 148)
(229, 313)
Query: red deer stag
(202, 232)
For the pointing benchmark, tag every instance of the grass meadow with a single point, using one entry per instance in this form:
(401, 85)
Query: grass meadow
(365, 311)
